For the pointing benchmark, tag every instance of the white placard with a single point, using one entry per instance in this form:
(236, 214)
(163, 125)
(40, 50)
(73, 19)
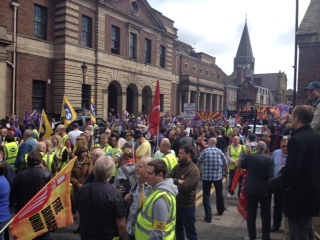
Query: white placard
(189, 111)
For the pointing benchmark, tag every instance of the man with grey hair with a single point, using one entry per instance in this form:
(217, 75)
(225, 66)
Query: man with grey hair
(260, 170)
(100, 205)
(28, 145)
(138, 195)
(48, 158)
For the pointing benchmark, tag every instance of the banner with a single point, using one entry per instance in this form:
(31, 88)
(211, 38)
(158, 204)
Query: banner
(207, 116)
(155, 114)
(48, 210)
(45, 127)
(93, 111)
(284, 109)
(68, 112)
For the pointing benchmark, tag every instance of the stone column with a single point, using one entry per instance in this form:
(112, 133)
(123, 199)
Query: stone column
(140, 102)
(105, 104)
(123, 103)
(218, 102)
(204, 103)
(210, 96)
(188, 96)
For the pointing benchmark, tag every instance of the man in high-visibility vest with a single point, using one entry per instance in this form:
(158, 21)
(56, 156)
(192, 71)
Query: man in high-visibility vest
(234, 152)
(170, 159)
(104, 144)
(35, 135)
(47, 157)
(61, 129)
(10, 150)
(157, 218)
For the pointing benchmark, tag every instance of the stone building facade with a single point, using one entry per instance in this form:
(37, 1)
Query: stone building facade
(125, 44)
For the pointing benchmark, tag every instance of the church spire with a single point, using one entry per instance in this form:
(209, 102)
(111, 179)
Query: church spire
(244, 53)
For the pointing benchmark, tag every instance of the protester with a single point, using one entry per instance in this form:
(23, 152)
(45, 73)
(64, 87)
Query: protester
(158, 223)
(137, 196)
(186, 176)
(101, 207)
(4, 198)
(299, 179)
(313, 93)
(260, 170)
(279, 158)
(213, 163)
(29, 182)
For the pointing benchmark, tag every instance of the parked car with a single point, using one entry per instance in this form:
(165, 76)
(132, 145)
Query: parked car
(258, 130)
(82, 121)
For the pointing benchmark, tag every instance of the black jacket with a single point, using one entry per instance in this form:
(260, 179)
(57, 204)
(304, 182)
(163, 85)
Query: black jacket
(260, 170)
(28, 183)
(300, 179)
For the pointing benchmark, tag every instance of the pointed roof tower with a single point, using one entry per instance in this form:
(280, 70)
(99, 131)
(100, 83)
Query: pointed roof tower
(244, 53)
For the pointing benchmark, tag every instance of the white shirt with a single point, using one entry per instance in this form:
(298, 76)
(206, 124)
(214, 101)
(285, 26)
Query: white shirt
(73, 135)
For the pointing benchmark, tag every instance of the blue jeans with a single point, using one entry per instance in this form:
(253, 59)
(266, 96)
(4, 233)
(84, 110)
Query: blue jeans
(206, 188)
(186, 222)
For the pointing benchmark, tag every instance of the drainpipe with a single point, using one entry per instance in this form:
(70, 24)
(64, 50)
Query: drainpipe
(15, 9)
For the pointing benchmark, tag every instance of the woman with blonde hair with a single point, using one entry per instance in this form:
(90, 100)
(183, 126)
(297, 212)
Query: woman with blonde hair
(61, 152)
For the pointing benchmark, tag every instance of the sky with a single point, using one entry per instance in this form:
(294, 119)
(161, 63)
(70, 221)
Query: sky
(215, 27)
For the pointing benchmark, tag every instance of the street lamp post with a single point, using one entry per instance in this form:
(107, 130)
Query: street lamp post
(84, 69)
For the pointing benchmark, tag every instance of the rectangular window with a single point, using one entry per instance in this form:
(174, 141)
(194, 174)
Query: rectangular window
(38, 95)
(186, 66)
(147, 51)
(161, 102)
(162, 56)
(115, 40)
(201, 72)
(133, 46)
(194, 69)
(40, 22)
(86, 96)
(86, 31)
(213, 75)
(207, 73)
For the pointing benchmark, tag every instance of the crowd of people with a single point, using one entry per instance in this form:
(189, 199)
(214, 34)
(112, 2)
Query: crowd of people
(129, 184)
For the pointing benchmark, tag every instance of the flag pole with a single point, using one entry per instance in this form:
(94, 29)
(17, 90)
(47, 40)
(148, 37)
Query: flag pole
(32, 113)
(41, 122)
(7, 225)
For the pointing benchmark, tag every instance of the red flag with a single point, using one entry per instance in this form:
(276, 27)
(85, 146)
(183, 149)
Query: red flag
(155, 114)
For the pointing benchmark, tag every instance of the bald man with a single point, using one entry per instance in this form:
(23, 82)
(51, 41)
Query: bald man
(95, 155)
(260, 170)
(159, 154)
(48, 159)
(213, 163)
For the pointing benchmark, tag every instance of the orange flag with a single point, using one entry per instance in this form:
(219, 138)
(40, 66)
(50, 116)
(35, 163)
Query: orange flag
(48, 210)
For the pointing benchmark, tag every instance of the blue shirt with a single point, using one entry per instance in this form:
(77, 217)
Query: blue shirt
(279, 161)
(4, 199)
(213, 163)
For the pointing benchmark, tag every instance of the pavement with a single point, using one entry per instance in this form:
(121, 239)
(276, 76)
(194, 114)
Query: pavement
(229, 226)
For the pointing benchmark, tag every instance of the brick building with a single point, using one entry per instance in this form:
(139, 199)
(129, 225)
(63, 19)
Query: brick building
(308, 39)
(125, 44)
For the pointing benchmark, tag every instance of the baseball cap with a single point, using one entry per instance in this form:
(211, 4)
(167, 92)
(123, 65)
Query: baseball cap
(313, 85)
(96, 128)
(238, 125)
(60, 127)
